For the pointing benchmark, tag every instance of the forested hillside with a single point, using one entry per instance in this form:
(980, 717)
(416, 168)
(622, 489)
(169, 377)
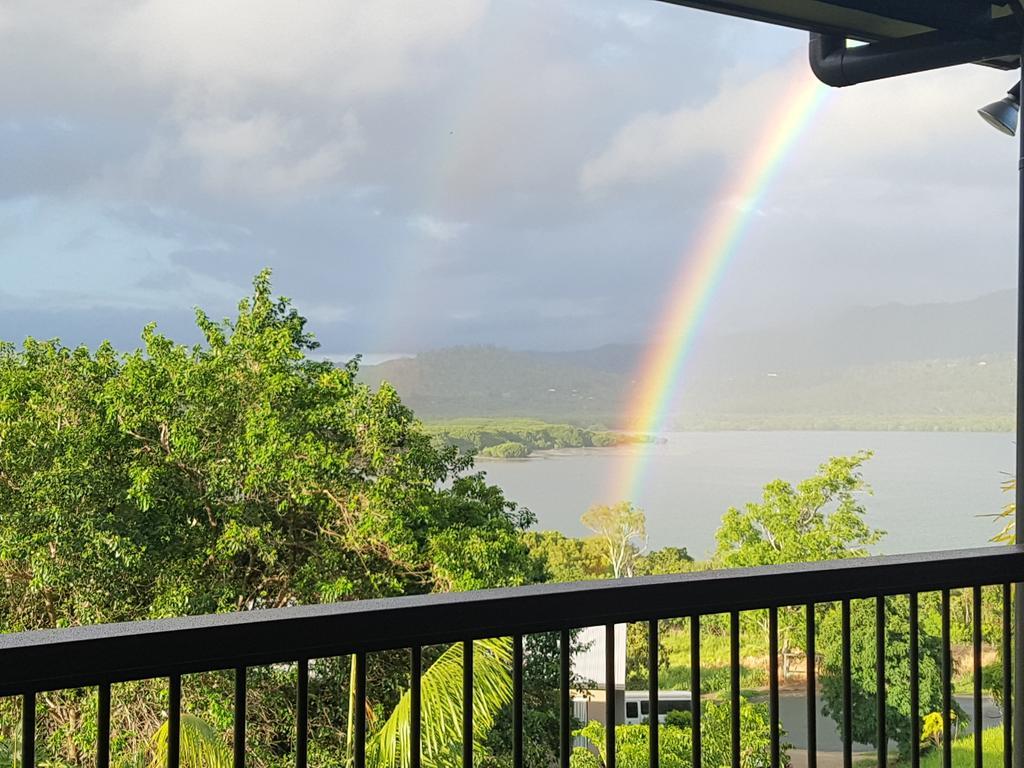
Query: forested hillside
(941, 366)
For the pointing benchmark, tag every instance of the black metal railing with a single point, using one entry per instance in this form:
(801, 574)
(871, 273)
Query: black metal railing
(34, 662)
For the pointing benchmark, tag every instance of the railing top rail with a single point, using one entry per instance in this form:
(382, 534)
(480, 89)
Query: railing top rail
(64, 658)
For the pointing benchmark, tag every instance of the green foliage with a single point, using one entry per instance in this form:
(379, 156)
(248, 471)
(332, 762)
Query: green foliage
(933, 727)
(674, 743)
(200, 745)
(563, 558)
(992, 680)
(862, 670)
(951, 392)
(632, 745)
(755, 730)
(1008, 515)
(665, 561)
(622, 530)
(441, 691)
(485, 436)
(821, 518)
(714, 675)
(236, 474)
(541, 686)
(963, 751)
(637, 646)
(679, 719)
(508, 450)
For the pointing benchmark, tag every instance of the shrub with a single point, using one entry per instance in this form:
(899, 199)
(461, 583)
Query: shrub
(506, 450)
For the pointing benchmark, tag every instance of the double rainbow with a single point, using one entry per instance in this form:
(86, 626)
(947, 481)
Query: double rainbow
(702, 268)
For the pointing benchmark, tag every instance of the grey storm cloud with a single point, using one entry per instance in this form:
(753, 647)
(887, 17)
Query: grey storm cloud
(520, 172)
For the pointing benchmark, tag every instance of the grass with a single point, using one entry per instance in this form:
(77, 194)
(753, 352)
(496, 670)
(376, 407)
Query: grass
(715, 659)
(712, 679)
(963, 751)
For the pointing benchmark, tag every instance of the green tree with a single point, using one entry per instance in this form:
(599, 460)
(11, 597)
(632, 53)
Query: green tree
(820, 518)
(863, 674)
(674, 743)
(235, 474)
(563, 558)
(665, 561)
(622, 530)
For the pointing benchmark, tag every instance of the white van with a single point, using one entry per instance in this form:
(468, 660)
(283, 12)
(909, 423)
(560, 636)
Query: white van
(638, 705)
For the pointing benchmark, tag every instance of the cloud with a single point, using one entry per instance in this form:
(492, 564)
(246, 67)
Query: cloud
(235, 48)
(256, 97)
(875, 123)
(653, 145)
(267, 153)
(388, 159)
(635, 19)
(438, 229)
(319, 312)
(92, 256)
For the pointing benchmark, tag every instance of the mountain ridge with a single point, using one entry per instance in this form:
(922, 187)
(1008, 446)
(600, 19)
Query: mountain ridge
(926, 366)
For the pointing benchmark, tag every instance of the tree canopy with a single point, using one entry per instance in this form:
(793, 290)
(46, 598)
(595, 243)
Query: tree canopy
(622, 529)
(234, 474)
(821, 518)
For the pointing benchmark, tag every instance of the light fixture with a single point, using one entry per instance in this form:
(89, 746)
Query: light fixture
(1002, 114)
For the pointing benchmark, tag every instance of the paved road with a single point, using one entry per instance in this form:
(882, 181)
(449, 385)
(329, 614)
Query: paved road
(793, 714)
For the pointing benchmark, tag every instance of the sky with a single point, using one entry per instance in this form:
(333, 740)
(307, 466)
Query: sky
(526, 173)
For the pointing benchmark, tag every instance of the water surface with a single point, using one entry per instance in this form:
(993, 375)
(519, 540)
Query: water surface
(929, 488)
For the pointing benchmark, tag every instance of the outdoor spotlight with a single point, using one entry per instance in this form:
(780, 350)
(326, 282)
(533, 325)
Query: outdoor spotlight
(1002, 114)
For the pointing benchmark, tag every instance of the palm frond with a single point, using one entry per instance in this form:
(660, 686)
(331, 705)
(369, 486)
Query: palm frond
(1008, 513)
(201, 745)
(441, 706)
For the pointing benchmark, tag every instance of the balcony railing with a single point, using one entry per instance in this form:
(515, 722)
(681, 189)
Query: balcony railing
(34, 662)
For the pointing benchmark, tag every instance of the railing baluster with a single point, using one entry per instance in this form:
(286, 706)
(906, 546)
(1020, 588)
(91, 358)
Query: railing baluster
(734, 687)
(103, 725)
(811, 664)
(28, 730)
(847, 689)
(976, 638)
(695, 689)
(773, 683)
(565, 712)
(302, 714)
(467, 704)
(915, 686)
(415, 713)
(609, 707)
(652, 692)
(238, 744)
(359, 746)
(517, 701)
(1007, 676)
(882, 738)
(947, 684)
(174, 721)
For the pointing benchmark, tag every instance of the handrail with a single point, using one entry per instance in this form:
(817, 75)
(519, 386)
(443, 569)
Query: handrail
(79, 656)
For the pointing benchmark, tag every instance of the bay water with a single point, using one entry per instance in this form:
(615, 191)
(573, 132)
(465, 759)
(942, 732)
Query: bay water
(929, 490)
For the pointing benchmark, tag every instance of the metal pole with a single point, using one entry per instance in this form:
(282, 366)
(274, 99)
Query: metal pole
(1018, 597)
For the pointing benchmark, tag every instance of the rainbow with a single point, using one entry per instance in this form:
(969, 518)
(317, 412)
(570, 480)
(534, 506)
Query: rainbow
(702, 268)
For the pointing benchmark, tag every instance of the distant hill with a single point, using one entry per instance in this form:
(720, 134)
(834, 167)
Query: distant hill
(498, 383)
(933, 366)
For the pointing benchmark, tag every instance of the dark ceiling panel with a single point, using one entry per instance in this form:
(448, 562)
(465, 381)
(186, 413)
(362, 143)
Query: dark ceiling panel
(863, 19)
